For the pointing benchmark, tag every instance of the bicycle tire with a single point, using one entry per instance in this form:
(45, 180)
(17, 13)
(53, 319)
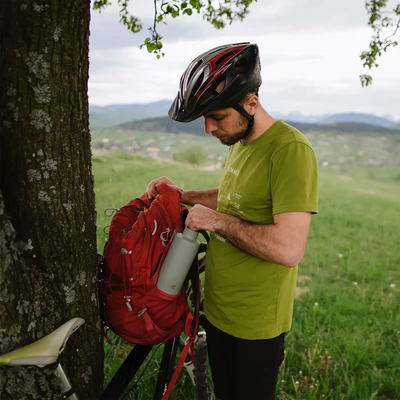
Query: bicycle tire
(200, 369)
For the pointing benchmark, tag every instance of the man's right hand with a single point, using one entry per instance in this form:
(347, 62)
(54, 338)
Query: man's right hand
(152, 186)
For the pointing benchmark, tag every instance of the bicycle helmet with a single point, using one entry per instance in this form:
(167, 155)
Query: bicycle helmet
(237, 65)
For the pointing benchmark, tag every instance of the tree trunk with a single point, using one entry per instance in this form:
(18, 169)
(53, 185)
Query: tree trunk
(48, 261)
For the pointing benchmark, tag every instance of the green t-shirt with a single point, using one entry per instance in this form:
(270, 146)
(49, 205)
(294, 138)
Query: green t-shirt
(246, 296)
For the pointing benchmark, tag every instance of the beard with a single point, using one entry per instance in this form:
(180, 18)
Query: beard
(245, 132)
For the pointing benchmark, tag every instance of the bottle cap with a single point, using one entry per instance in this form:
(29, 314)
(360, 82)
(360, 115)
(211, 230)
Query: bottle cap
(190, 234)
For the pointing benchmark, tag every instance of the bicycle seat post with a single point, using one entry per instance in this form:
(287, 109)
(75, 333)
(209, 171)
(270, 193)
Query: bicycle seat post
(68, 392)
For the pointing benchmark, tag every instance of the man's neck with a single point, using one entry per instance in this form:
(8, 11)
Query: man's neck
(262, 122)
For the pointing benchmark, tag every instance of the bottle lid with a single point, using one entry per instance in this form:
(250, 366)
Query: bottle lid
(190, 234)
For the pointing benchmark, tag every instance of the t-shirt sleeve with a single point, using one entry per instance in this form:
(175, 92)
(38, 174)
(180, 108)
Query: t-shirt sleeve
(294, 179)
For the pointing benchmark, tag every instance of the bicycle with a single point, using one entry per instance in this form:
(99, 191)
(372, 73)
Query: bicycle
(44, 353)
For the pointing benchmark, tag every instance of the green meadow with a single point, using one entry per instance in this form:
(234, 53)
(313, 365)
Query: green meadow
(345, 338)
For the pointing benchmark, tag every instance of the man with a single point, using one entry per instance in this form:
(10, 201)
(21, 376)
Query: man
(259, 218)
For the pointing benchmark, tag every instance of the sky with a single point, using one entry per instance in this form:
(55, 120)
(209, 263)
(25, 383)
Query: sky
(309, 53)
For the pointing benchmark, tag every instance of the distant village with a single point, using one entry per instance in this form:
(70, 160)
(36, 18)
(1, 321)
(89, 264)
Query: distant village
(341, 149)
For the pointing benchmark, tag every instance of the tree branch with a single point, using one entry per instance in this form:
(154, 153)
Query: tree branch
(228, 11)
(377, 45)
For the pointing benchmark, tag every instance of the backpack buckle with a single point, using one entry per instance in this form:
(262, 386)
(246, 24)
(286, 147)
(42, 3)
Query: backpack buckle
(164, 236)
(109, 212)
(142, 312)
(128, 302)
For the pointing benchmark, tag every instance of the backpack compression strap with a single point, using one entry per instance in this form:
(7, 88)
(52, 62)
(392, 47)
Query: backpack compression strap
(191, 327)
(182, 357)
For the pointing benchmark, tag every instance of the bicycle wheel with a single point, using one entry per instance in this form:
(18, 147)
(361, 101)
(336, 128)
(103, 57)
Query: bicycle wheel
(200, 368)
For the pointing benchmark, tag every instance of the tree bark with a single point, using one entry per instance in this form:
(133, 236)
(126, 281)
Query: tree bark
(48, 260)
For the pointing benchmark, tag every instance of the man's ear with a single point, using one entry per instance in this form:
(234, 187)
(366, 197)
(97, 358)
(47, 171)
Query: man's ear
(252, 103)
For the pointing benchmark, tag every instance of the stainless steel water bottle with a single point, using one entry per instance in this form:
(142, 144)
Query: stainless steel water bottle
(178, 261)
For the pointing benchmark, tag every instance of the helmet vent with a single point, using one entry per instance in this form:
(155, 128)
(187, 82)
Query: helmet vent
(224, 57)
(194, 69)
(241, 66)
(198, 83)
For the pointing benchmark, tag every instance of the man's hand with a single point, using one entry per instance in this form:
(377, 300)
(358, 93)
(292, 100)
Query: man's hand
(201, 217)
(152, 186)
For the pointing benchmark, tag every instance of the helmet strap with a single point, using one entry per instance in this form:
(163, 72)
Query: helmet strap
(242, 111)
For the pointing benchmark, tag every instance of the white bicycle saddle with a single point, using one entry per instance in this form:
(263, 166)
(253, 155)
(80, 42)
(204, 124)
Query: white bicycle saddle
(44, 351)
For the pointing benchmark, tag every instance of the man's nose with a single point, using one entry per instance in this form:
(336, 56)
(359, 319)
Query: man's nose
(209, 126)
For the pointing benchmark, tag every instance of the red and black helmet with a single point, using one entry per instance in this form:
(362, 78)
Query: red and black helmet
(237, 65)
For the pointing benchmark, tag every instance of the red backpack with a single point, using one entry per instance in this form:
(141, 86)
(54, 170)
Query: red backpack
(140, 236)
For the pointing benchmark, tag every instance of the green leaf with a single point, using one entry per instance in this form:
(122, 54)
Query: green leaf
(100, 4)
(188, 11)
(147, 40)
(150, 47)
(174, 11)
(366, 80)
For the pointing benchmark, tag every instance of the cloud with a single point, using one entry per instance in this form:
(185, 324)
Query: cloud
(308, 97)
(309, 51)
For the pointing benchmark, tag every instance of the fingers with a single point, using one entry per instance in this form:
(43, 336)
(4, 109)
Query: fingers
(189, 222)
(198, 218)
(152, 186)
(151, 190)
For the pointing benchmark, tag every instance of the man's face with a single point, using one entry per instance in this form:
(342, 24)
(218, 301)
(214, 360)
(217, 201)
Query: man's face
(227, 125)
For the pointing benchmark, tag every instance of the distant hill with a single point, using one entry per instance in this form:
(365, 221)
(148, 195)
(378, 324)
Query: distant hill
(343, 127)
(356, 118)
(162, 105)
(112, 115)
(294, 116)
(166, 124)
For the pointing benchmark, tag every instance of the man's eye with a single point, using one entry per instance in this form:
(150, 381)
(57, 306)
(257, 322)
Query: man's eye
(219, 118)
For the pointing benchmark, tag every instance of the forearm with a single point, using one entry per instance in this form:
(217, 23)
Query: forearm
(205, 197)
(268, 242)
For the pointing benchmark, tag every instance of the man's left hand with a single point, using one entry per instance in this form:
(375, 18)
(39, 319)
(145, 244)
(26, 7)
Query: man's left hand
(201, 217)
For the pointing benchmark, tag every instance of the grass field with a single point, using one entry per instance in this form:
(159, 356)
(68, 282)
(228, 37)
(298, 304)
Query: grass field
(345, 338)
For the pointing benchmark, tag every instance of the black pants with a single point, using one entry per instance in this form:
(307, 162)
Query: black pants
(244, 369)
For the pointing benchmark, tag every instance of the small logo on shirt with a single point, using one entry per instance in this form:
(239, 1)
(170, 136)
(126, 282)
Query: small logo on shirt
(222, 239)
(233, 171)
